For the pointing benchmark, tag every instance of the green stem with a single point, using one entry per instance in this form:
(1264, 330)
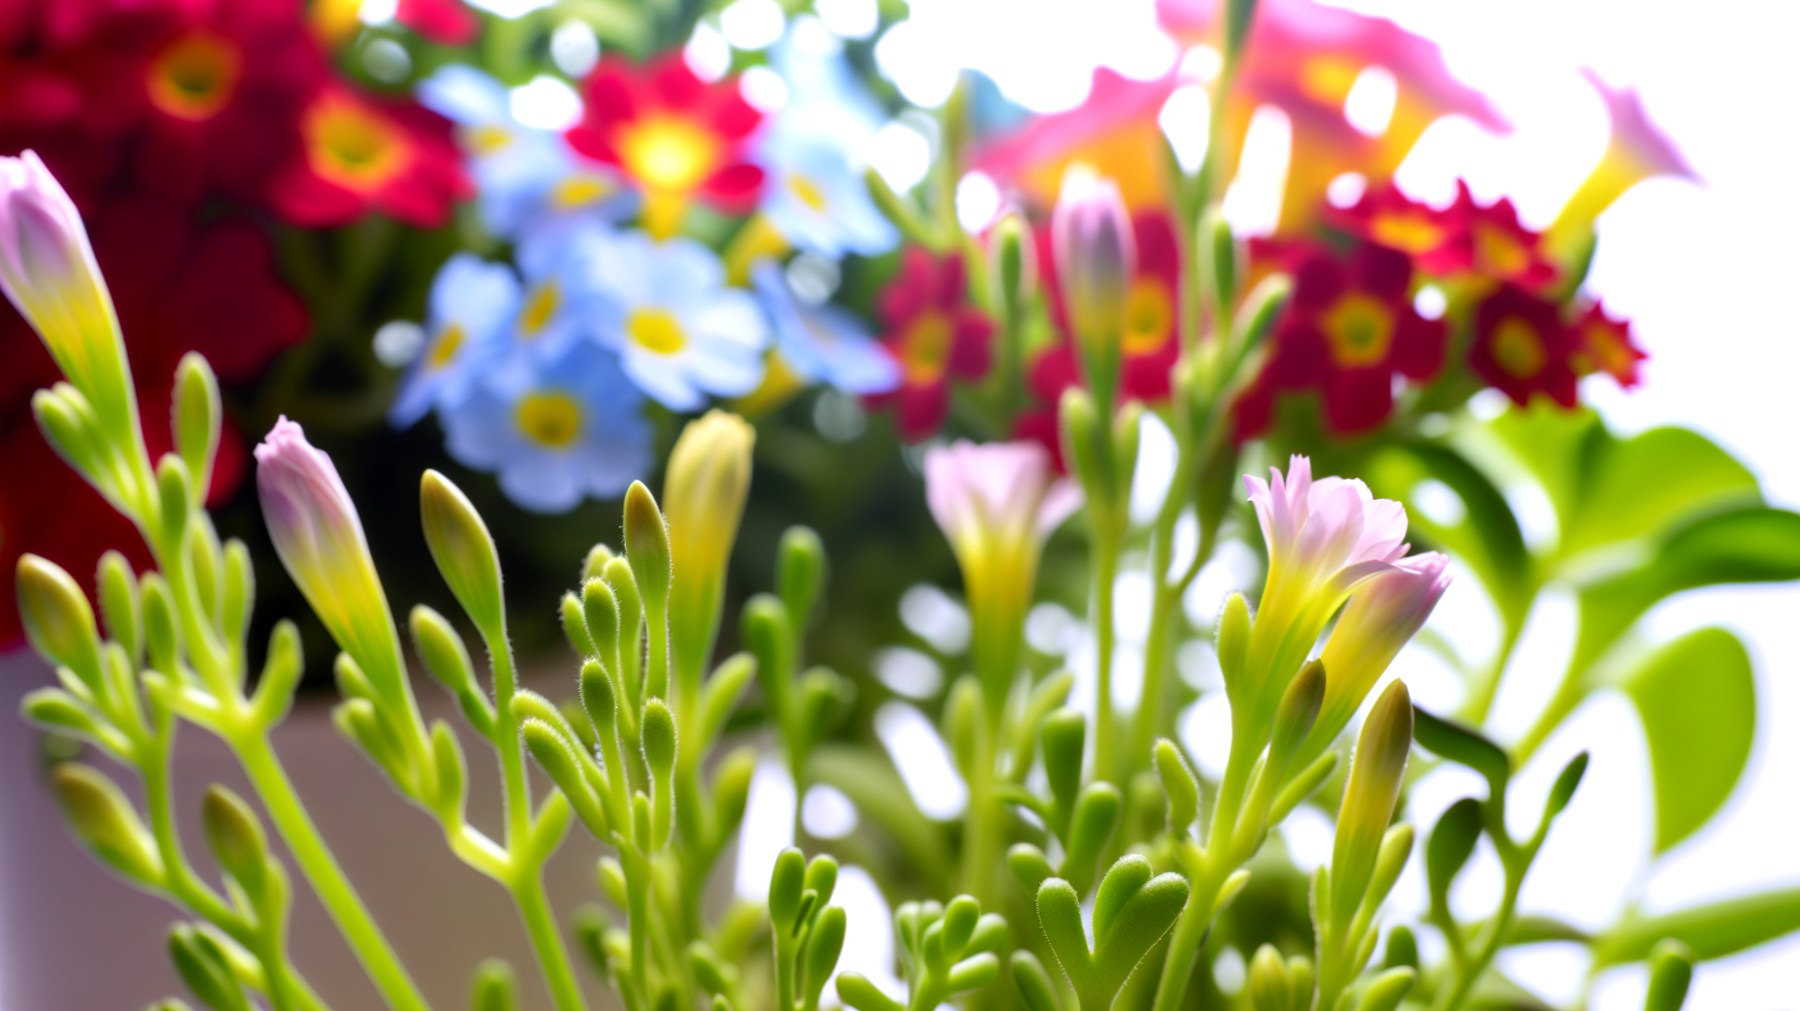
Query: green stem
(1106, 567)
(322, 872)
(546, 940)
(981, 844)
(1190, 934)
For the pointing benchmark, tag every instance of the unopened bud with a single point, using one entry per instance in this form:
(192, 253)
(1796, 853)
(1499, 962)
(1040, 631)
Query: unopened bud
(1080, 429)
(1096, 815)
(1029, 866)
(175, 491)
(1179, 785)
(71, 428)
(1065, 737)
(612, 881)
(240, 591)
(1563, 790)
(594, 565)
(703, 499)
(106, 822)
(495, 987)
(1388, 989)
(1233, 644)
(1096, 259)
(464, 552)
(1269, 981)
(196, 419)
(822, 949)
(964, 722)
(236, 837)
(120, 608)
(446, 658)
(1671, 972)
(1402, 948)
(162, 636)
(575, 627)
(1218, 250)
(1013, 266)
(205, 969)
(647, 545)
(555, 754)
(1294, 718)
(785, 885)
(1375, 774)
(1451, 844)
(1033, 983)
(58, 619)
(447, 756)
(600, 609)
(658, 733)
(800, 572)
(731, 788)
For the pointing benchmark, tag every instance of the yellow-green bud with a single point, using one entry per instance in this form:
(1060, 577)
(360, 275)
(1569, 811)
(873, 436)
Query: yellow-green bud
(1080, 427)
(162, 630)
(58, 710)
(70, 427)
(1387, 990)
(1032, 982)
(600, 612)
(1269, 983)
(785, 884)
(800, 572)
(175, 491)
(1179, 785)
(731, 788)
(658, 735)
(58, 619)
(595, 563)
(1065, 736)
(447, 756)
(612, 881)
(1294, 718)
(703, 498)
(1396, 847)
(647, 545)
(121, 609)
(236, 837)
(555, 754)
(1402, 948)
(721, 694)
(196, 419)
(574, 624)
(1234, 643)
(205, 969)
(1096, 815)
(1671, 971)
(1218, 250)
(964, 722)
(1375, 775)
(106, 822)
(464, 552)
(1013, 266)
(823, 946)
(446, 658)
(240, 590)
(280, 674)
(494, 988)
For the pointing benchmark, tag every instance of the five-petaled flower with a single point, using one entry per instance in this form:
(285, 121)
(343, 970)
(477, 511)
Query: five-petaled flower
(675, 135)
(359, 154)
(1522, 347)
(1604, 344)
(934, 335)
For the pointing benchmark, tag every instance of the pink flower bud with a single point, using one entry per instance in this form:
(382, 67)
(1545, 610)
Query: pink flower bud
(320, 540)
(1096, 258)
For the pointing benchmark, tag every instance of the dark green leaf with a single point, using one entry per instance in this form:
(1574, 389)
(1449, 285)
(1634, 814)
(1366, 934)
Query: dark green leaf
(1712, 931)
(1464, 746)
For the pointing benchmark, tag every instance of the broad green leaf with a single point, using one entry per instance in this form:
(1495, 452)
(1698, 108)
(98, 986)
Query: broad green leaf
(1713, 931)
(1755, 545)
(1642, 485)
(1487, 539)
(1558, 447)
(1697, 699)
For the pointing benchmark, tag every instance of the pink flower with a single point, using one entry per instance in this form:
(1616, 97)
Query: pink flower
(319, 537)
(1636, 151)
(997, 503)
(1379, 620)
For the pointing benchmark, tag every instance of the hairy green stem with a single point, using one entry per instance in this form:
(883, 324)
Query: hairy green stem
(1106, 567)
(546, 940)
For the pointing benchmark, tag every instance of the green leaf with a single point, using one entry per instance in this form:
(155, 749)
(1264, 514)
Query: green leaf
(879, 794)
(1488, 539)
(1557, 447)
(1697, 699)
(1464, 746)
(1712, 931)
(1755, 545)
(1644, 484)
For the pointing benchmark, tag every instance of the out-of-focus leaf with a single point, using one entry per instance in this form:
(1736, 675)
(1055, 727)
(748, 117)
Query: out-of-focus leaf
(1557, 446)
(1538, 929)
(1755, 545)
(1712, 931)
(1448, 739)
(1487, 539)
(1644, 484)
(880, 795)
(1697, 699)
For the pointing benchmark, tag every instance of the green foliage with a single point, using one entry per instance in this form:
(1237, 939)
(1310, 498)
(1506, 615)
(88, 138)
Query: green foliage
(1132, 911)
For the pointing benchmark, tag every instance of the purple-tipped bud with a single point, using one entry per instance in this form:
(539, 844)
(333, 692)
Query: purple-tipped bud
(1096, 258)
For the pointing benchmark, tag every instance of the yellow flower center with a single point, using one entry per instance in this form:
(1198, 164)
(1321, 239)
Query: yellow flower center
(551, 420)
(194, 76)
(807, 191)
(353, 145)
(1359, 329)
(668, 153)
(926, 349)
(579, 191)
(1517, 348)
(1408, 232)
(1503, 254)
(1609, 352)
(443, 350)
(656, 331)
(544, 301)
(486, 140)
(1148, 316)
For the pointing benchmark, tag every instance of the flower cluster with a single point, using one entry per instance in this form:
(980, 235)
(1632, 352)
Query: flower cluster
(541, 369)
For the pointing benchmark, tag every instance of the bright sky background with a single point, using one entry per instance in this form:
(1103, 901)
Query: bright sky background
(1704, 274)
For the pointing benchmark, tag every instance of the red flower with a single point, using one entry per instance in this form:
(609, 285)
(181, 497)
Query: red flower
(1465, 239)
(934, 335)
(177, 288)
(1350, 329)
(1522, 347)
(359, 154)
(1604, 345)
(673, 133)
(445, 22)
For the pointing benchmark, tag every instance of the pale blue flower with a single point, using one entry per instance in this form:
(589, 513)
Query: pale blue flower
(823, 343)
(563, 301)
(816, 195)
(522, 174)
(568, 430)
(680, 332)
(472, 304)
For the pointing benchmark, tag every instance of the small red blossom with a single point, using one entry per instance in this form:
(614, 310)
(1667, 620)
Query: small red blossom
(445, 22)
(934, 335)
(1522, 347)
(360, 154)
(1348, 332)
(1463, 241)
(1604, 344)
(677, 136)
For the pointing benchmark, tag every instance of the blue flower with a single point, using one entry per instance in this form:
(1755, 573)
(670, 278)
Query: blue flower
(563, 300)
(472, 303)
(816, 195)
(680, 332)
(568, 430)
(823, 343)
(522, 173)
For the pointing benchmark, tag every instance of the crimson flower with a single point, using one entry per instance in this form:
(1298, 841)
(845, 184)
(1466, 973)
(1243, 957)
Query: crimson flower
(1604, 345)
(1461, 241)
(934, 335)
(1348, 332)
(1522, 347)
(359, 154)
(445, 22)
(675, 135)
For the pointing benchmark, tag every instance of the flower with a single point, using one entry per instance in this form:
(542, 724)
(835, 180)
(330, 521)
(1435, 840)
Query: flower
(445, 22)
(675, 135)
(1380, 618)
(1348, 331)
(1605, 345)
(680, 332)
(822, 343)
(933, 335)
(1325, 539)
(522, 174)
(1303, 57)
(1522, 347)
(319, 537)
(360, 155)
(1635, 151)
(562, 301)
(1096, 261)
(1113, 134)
(996, 503)
(472, 304)
(1387, 217)
(565, 430)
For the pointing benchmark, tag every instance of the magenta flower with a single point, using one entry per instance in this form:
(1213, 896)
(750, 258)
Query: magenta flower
(1635, 151)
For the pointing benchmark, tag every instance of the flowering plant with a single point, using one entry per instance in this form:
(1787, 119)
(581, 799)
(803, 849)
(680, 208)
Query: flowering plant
(669, 245)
